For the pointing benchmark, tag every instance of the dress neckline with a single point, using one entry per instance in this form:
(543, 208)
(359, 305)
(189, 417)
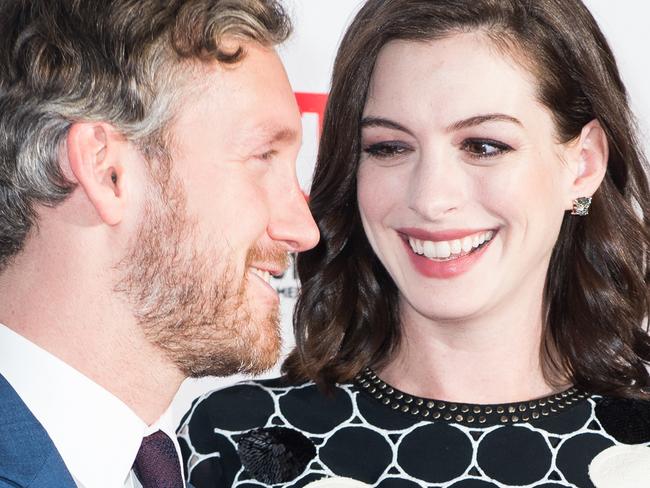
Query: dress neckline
(477, 415)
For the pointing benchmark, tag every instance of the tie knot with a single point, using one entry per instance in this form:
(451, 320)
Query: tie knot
(157, 464)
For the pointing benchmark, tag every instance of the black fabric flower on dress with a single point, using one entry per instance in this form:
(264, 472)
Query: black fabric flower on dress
(626, 420)
(275, 454)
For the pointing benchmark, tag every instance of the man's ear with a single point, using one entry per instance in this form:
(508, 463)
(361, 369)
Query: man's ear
(589, 157)
(93, 151)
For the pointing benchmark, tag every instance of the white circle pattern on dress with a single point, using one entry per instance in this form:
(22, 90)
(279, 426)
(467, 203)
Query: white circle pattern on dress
(357, 437)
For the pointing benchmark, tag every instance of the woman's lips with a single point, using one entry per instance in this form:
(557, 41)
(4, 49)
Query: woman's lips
(445, 259)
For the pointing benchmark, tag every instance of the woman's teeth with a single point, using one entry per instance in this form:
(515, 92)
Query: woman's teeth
(265, 275)
(450, 249)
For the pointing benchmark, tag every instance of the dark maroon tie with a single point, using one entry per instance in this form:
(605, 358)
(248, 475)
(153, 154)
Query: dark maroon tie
(157, 464)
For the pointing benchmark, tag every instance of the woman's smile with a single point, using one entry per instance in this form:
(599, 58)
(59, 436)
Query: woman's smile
(436, 257)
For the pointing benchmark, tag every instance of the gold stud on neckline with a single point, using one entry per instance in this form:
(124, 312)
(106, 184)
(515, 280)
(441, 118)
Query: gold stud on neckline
(452, 412)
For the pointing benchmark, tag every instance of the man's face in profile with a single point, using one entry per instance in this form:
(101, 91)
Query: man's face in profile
(213, 233)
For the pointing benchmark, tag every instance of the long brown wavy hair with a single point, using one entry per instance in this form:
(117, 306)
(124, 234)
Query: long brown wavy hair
(596, 296)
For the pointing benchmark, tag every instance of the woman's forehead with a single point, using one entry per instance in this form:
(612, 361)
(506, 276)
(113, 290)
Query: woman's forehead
(447, 80)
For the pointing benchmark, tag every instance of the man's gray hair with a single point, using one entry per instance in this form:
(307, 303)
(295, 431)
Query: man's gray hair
(119, 61)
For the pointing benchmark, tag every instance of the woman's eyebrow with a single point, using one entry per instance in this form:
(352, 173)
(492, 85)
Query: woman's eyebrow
(472, 121)
(481, 119)
(367, 122)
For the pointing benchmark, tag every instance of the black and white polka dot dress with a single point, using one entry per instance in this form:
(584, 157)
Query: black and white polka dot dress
(265, 433)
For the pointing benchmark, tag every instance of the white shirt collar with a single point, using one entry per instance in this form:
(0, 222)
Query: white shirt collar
(97, 435)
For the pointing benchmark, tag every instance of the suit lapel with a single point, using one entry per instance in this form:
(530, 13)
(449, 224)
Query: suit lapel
(27, 455)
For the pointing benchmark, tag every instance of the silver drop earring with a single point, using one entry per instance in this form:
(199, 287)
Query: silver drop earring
(581, 206)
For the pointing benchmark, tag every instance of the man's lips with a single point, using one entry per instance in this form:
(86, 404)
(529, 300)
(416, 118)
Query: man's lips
(266, 271)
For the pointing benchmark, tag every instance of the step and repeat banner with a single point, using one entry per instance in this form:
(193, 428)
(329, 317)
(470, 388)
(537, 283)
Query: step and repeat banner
(309, 55)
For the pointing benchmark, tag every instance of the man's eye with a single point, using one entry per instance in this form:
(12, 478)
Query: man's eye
(480, 148)
(268, 155)
(385, 150)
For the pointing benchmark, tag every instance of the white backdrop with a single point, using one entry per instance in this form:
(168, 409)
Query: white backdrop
(309, 56)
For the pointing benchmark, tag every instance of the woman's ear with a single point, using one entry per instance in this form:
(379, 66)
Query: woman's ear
(93, 151)
(589, 155)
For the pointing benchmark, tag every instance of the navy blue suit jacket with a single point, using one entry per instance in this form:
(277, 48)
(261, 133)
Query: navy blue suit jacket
(28, 457)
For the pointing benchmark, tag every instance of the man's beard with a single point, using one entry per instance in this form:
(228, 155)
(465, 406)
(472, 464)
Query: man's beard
(189, 300)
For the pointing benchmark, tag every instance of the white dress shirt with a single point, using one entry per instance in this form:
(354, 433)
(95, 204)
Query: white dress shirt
(96, 434)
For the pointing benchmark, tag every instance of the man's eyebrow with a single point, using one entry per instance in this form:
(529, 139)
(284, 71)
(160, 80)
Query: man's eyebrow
(273, 134)
(367, 122)
(264, 134)
(284, 134)
(481, 119)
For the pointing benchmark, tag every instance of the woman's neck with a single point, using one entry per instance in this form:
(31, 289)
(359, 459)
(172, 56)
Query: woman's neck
(492, 358)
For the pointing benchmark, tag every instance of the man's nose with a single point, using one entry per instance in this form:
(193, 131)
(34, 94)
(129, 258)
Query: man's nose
(291, 221)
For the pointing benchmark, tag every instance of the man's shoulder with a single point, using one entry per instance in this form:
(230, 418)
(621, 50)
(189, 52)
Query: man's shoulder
(27, 455)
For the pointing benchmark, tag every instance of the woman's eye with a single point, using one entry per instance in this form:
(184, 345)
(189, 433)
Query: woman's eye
(480, 148)
(385, 150)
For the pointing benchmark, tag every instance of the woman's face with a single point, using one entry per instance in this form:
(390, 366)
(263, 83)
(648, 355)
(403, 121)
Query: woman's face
(462, 185)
